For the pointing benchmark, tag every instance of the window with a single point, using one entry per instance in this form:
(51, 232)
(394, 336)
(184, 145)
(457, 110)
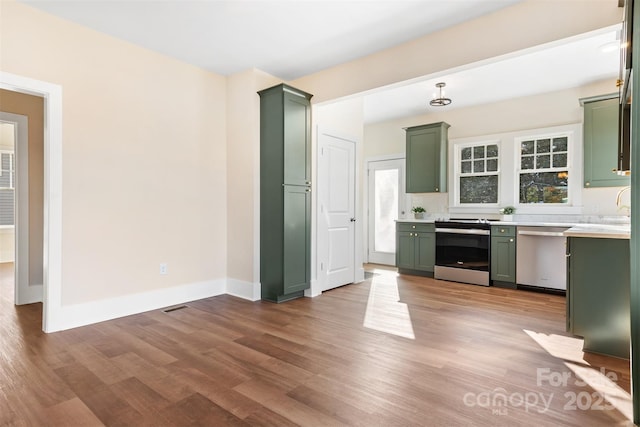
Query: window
(477, 173)
(544, 172)
(7, 190)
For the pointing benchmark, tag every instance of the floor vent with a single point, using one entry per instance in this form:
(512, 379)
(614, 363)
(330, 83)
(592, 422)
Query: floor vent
(169, 310)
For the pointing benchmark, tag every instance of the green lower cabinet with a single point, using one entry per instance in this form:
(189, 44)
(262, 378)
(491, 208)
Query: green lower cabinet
(503, 256)
(598, 294)
(415, 248)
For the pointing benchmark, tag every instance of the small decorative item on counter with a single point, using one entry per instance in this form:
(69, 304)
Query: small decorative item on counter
(507, 213)
(418, 212)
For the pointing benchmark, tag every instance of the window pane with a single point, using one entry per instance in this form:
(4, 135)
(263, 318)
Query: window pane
(527, 162)
(386, 210)
(478, 166)
(543, 145)
(479, 189)
(543, 162)
(527, 147)
(492, 165)
(559, 160)
(466, 153)
(492, 150)
(465, 167)
(478, 152)
(544, 187)
(560, 144)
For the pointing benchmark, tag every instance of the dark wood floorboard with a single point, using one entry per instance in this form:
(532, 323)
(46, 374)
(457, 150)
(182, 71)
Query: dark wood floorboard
(390, 351)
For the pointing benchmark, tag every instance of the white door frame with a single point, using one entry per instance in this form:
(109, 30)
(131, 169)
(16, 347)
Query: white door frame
(52, 239)
(24, 292)
(403, 197)
(320, 231)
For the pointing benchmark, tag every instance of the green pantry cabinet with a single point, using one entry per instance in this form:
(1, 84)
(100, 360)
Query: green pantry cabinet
(503, 256)
(426, 158)
(285, 192)
(415, 248)
(598, 294)
(601, 142)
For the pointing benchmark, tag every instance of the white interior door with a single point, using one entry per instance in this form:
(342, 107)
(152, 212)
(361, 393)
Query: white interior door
(336, 198)
(386, 200)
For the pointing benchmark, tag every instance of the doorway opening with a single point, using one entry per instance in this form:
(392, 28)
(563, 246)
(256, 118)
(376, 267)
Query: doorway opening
(50, 225)
(8, 133)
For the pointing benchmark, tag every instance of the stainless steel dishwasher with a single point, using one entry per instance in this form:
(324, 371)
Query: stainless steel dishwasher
(541, 258)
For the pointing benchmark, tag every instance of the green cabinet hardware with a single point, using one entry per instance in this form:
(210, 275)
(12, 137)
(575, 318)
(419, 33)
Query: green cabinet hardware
(600, 128)
(503, 256)
(415, 248)
(598, 294)
(426, 158)
(285, 193)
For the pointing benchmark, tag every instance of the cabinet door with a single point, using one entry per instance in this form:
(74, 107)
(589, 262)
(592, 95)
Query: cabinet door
(425, 251)
(297, 238)
(405, 250)
(503, 259)
(426, 170)
(600, 294)
(297, 146)
(601, 144)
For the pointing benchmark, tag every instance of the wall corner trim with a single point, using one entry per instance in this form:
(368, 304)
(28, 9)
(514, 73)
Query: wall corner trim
(245, 290)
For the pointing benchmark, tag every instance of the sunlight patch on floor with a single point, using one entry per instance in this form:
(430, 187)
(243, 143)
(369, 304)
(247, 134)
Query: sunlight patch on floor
(607, 394)
(605, 384)
(566, 348)
(385, 312)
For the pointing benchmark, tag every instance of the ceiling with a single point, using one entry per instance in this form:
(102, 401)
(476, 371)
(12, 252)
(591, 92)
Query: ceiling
(291, 39)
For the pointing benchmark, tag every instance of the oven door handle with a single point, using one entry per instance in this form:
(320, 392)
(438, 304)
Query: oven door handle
(463, 231)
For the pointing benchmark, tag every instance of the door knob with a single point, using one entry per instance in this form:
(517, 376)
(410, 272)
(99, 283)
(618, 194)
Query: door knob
(353, 220)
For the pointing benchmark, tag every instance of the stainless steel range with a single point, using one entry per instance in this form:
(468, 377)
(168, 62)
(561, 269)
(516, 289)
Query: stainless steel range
(463, 251)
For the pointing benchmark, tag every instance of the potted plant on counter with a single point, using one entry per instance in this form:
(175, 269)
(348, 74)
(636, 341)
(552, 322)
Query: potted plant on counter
(418, 212)
(507, 213)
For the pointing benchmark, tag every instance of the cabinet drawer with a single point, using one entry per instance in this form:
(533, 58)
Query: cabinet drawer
(416, 226)
(503, 230)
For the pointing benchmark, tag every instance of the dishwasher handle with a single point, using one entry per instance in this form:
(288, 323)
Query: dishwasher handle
(541, 233)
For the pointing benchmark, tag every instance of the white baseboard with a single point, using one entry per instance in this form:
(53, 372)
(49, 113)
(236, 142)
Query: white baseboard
(242, 289)
(72, 316)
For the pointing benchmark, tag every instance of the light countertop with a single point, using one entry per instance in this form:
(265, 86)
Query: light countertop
(603, 231)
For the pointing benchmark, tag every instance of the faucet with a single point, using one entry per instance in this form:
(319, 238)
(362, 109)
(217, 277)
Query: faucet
(619, 200)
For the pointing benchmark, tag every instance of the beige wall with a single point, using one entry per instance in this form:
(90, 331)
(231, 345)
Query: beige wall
(143, 154)
(243, 173)
(33, 108)
(522, 26)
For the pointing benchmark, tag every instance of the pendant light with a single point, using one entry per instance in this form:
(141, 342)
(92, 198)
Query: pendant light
(440, 101)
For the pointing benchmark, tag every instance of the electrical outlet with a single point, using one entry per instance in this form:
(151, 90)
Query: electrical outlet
(163, 268)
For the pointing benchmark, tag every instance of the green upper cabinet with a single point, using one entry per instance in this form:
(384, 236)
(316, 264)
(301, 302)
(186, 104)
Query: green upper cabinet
(601, 142)
(427, 158)
(297, 139)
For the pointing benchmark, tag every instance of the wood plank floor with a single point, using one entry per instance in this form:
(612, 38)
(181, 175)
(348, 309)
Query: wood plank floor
(390, 351)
